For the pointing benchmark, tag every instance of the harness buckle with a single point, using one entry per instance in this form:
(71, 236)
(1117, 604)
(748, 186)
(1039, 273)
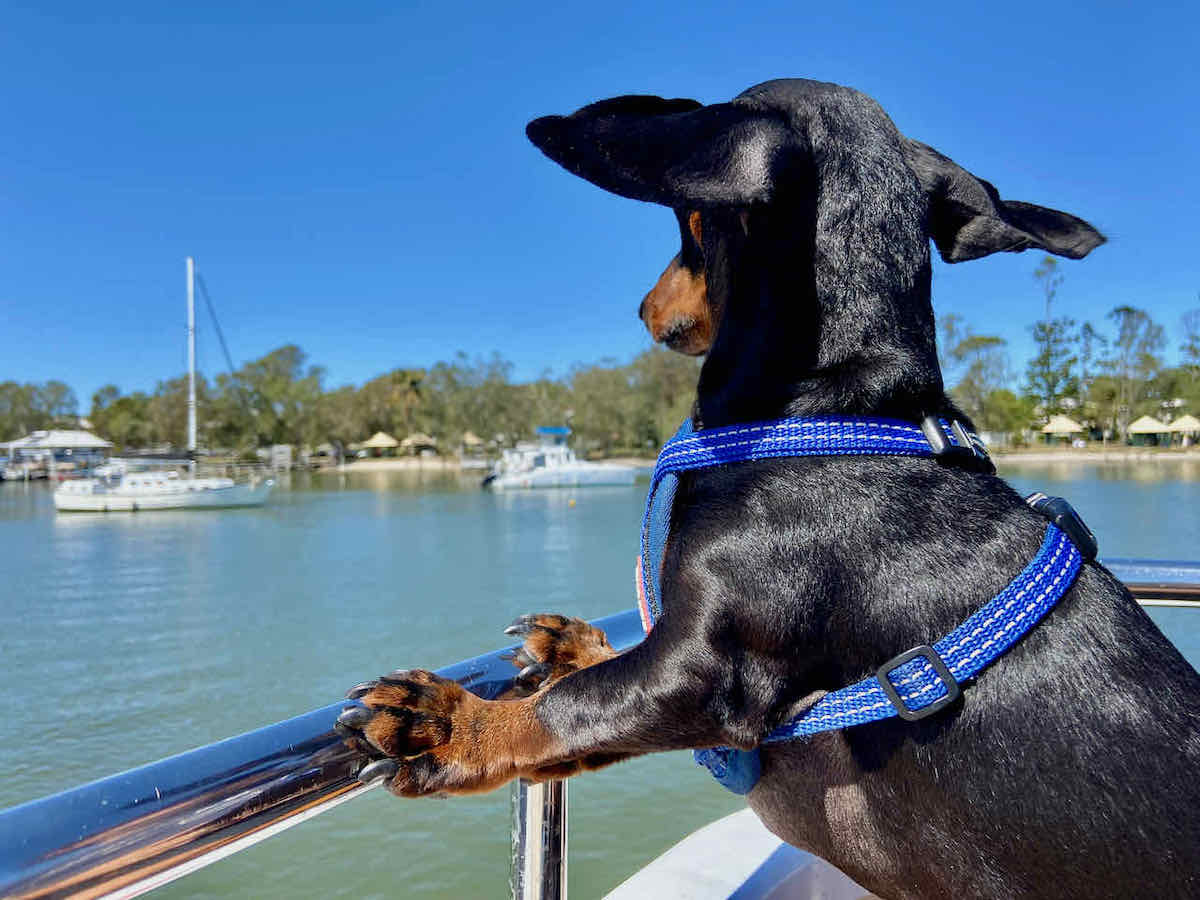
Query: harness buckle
(966, 451)
(1063, 515)
(940, 668)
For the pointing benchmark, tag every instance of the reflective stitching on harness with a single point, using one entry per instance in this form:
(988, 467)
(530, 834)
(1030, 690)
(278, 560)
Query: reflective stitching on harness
(917, 683)
(840, 436)
(1001, 623)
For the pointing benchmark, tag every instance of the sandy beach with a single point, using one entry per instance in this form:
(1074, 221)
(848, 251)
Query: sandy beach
(399, 463)
(1097, 455)
(1086, 455)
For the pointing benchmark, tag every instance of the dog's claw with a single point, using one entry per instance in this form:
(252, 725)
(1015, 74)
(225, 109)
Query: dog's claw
(540, 670)
(360, 689)
(522, 658)
(355, 717)
(520, 625)
(381, 768)
(396, 676)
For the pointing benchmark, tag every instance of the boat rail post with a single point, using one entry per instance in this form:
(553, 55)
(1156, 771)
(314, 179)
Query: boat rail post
(539, 840)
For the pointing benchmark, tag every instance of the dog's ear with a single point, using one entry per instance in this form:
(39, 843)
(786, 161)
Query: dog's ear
(674, 152)
(967, 218)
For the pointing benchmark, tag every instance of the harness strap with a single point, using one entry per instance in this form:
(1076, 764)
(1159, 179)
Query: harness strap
(837, 436)
(923, 680)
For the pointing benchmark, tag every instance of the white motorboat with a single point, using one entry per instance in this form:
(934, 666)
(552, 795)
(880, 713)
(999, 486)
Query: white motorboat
(551, 463)
(157, 490)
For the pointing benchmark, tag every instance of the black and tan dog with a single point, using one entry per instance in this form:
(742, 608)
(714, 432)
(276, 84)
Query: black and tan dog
(1068, 769)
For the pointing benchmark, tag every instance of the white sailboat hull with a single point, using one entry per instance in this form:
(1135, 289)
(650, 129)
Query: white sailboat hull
(181, 496)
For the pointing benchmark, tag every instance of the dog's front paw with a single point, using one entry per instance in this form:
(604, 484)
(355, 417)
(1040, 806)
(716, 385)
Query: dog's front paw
(427, 735)
(407, 724)
(555, 646)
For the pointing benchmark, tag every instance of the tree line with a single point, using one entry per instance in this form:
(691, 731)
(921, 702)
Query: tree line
(282, 399)
(1103, 375)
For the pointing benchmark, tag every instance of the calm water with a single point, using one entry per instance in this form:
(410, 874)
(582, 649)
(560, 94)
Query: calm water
(128, 638)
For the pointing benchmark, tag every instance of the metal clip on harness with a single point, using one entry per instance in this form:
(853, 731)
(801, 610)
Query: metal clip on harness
(968, 453)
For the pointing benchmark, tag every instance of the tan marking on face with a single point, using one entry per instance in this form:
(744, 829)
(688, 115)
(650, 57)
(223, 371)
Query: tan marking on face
(676, 310)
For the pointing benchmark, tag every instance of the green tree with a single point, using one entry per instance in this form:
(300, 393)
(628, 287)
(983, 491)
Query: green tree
(281, 394)
(1048, 375)
(392, 402)
(19, 411)
(166, 412)
(1190, 348)
(124, 420)
(29, 407)
(986, 373)
(604, 404)
(665, 385)
(977, 366)
(338, 413)
(1133, 362)
(1008, 413)
(57, 401)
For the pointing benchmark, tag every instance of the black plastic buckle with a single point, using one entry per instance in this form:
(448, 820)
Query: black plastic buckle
(1063, 515)
(966, 452)
(943, 673)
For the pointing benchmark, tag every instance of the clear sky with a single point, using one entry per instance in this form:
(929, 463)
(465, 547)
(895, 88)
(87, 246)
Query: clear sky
(354, 177)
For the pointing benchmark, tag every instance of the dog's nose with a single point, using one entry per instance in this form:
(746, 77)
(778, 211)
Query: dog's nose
(642, 310)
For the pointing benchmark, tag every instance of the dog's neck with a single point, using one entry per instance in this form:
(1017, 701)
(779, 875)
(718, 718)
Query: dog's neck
(824, 310)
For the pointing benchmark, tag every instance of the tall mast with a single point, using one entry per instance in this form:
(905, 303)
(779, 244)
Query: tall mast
(191, 403)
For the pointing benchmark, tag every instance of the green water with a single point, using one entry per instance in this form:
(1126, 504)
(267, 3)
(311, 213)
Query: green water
(126, 638)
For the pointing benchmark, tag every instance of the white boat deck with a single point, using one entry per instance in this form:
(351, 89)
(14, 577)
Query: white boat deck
(736, 857)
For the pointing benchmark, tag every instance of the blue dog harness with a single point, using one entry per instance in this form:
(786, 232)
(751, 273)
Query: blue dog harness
(923, 680)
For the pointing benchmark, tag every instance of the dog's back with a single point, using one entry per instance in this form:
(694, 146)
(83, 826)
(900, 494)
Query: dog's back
(805, 219)
(1067, 767)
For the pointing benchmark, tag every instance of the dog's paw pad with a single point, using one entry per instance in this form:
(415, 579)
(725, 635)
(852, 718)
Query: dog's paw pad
(403, 714)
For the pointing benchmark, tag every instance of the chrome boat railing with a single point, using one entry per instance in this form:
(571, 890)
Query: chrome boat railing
(129, 833)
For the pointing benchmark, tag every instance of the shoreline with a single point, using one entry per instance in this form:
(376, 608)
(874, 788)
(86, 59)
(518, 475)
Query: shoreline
(1089, 456)
(1092, 455)
(390, 464)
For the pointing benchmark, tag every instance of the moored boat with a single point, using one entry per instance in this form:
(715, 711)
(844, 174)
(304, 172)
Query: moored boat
(550, 463)
(157, 490)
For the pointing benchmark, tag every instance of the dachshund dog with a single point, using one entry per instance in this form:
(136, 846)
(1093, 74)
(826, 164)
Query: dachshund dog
(1068, 769)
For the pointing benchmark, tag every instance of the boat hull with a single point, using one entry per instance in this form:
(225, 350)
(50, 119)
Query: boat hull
(208, 498)
(588, 475)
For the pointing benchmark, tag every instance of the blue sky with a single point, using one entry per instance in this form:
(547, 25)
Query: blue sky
(354, 178)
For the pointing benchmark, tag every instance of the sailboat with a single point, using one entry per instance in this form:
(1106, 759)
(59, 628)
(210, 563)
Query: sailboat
(116, 490)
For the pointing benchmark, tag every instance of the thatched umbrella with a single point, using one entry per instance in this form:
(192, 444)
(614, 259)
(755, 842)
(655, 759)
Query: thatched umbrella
(418, 441)
(1187, 424)
(1061, 425)
(379, 442)
(1187, 427)
(1148, 425)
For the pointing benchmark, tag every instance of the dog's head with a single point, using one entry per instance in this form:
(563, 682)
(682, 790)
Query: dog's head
(817, 170)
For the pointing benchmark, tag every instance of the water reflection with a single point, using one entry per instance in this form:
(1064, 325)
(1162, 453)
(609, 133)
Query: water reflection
(1148, 472)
